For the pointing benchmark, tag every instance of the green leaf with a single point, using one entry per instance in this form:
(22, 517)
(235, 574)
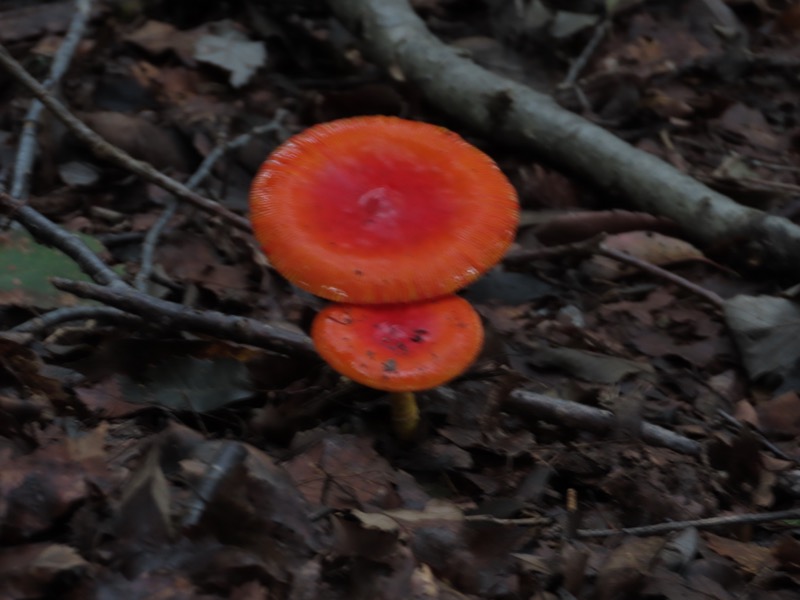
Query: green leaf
(27, 266)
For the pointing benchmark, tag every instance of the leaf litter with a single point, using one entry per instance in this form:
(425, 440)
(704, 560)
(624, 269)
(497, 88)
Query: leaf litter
(140, 465)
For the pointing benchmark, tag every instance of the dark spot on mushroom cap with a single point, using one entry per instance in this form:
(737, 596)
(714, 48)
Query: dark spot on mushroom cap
(419, 335)
(344, 319)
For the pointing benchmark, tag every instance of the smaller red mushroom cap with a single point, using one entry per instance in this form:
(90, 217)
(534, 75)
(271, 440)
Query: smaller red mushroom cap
(399, 347)
(382, 210)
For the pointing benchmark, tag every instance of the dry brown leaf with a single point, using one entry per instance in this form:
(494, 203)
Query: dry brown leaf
(787, 553)
(748, 555)
(156, 37)
(649, 246)
(752, 126)
(140, 138)
(781, 415)
(767, 332)
(627, 567)
(362, 476)
(746, 413)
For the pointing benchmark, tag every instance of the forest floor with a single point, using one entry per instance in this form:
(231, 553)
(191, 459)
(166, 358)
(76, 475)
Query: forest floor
(631, 429)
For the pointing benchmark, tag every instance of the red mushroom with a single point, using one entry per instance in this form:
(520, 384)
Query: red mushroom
(400, 348)
(381, 210)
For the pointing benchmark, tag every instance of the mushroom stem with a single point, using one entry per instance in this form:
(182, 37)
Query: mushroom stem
(405, 414)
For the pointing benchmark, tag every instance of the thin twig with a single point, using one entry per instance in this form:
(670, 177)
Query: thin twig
(106, 151)
(142, 280)
(780, 515)
(595, 245)
(228, 456)
(521, 521)
(275, 125)
(565, 412)
(579, 64)
(581, 248)
(77, 313)
(26, 150)
(760, 436)
(151, 240)
(643, 265)
(48, 233)
(177, 316)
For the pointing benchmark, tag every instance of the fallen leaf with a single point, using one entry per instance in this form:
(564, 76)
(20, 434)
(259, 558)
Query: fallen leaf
(27, 266)
(191, 384)
(29, 571)
(752, 126)
(156, 37)
(227, 47)
(749, 556)
(586, 365)
(767, 331)
(362, 476)
(144, 511)
(37, 490)
(567, 24)
(627, 567)
(366, 535)
(140, 138)
(680, 549)
(787, 553)
(648, 246)
(780, 415)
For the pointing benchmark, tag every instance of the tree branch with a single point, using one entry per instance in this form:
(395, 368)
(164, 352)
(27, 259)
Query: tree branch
(50, 234)
(177, 316)
(698, 290)
(588, 418)
(77, 313)
(781, 515)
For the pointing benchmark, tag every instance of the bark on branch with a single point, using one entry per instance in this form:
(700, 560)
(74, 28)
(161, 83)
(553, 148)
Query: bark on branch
(208, 322)
(589, 418)
(396, 37)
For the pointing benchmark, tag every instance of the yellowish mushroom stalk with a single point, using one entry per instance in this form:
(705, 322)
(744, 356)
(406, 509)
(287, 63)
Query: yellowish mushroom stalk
(405, 414)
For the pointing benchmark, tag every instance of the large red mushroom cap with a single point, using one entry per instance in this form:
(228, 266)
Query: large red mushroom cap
(399, 347)
(381, 210)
